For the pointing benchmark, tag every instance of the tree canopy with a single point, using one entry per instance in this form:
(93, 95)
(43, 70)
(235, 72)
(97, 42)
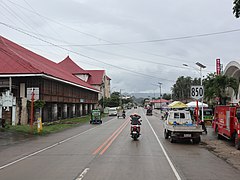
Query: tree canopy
(215, 87)
(181, 89)
(236, 8)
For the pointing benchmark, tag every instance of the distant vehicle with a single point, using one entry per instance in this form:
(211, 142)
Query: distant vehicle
(112, 111)
(149, 112)
(179, 125)
(96, 117)
(135, 107)
(226, 123)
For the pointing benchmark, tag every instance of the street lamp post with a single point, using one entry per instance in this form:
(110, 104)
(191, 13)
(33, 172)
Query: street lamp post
(160, 88)
(201, 66)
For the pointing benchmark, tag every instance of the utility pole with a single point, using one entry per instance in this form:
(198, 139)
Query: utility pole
(160, 84)
(201, 66)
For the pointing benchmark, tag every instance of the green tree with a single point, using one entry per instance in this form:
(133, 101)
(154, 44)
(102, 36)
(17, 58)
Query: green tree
(181, 89)
(236, 8)
(167, 96)
(215, 86)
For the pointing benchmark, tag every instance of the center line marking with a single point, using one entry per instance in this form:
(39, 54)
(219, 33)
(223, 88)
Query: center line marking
(81, 176)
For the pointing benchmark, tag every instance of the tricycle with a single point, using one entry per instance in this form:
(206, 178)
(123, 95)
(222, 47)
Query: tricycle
(121, 113)
(96, 117)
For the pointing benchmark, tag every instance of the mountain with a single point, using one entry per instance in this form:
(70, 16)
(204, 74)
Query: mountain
(144, 95)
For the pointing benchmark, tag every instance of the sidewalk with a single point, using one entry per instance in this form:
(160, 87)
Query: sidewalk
(9, 138)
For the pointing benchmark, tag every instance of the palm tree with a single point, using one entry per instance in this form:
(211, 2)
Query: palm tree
(215, 87)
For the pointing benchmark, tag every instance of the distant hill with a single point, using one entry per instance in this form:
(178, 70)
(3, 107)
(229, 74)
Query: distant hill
(144, 95)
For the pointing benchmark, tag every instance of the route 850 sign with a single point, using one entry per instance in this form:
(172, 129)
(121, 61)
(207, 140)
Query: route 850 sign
(197, 92)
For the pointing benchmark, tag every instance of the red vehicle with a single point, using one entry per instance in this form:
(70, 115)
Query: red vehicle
(227, 123)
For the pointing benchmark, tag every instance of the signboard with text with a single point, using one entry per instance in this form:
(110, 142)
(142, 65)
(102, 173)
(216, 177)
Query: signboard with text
(197, 92)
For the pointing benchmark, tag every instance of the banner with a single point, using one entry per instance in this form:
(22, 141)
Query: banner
(218, 66)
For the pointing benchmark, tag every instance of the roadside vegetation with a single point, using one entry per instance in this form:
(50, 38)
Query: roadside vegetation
(49, 127)
(215, 87)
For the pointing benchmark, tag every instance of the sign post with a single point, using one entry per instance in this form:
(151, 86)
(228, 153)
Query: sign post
(33, 95)
(197, 92)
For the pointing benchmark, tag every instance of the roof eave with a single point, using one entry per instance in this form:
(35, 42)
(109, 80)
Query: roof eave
(50, 77)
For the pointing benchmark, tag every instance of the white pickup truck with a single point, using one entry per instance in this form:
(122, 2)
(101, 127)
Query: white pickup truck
(179, 125)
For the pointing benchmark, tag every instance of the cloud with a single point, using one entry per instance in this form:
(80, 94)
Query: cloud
(93, 22)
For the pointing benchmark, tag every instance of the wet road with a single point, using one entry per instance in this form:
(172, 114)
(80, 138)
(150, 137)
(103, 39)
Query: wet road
(106, 152)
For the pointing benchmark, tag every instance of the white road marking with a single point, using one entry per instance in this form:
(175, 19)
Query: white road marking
(49, 147)
(164, 151)
(81, 176)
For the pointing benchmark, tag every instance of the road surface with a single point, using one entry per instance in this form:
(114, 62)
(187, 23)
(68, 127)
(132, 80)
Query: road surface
(106, 152)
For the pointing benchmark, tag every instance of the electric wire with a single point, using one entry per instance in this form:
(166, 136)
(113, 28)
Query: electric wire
(88, 57)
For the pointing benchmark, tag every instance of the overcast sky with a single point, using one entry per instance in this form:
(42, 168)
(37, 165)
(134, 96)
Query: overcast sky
(138, 42)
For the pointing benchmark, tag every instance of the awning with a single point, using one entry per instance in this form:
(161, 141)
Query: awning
(177, 104)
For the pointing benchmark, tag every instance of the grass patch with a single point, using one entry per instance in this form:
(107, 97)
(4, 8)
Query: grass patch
(49, 127)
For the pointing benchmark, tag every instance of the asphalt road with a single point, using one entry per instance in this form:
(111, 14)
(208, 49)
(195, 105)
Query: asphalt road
(106, 152)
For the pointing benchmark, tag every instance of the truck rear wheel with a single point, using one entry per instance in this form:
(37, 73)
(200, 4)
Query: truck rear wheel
(172, 140)
(196, 140)
(166, 135)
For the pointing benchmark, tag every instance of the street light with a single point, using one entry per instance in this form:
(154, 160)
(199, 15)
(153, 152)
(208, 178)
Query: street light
(160, 84)
(201, 66)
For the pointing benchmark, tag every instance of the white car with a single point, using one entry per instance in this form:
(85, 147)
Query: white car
(112, 111)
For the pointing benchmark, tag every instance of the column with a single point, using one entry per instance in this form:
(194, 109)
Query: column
(74, 110)
(65, 111)
(54, 111)
(91, 107)
(24, 113)
(86, 109)
(14, 112)
(81, 109)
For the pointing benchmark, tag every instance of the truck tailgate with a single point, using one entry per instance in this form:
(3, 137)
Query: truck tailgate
(184, 128)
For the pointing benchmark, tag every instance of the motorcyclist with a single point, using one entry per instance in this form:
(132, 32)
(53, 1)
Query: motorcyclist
(135, 119)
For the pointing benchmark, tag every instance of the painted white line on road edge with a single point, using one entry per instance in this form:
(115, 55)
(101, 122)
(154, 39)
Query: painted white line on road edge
(49, 147)
(81, 176)
(164, 151)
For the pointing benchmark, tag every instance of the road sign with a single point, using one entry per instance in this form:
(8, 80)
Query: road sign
(36, 93)
(197, 92)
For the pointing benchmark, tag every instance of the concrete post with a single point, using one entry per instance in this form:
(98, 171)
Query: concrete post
(14, 112)
(86, 109)
(0, 107)
(81, 109)
(54, 111)
(74, 110)
(91, 107)
(65, 111)
(24, 114)
(0, 111)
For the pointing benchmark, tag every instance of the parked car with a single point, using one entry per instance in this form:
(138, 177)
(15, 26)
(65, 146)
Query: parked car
(112, 111)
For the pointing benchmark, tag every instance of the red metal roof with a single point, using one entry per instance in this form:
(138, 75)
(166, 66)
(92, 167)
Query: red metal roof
(69, 65)
(159, 101)
(15, 59)
(95, 76)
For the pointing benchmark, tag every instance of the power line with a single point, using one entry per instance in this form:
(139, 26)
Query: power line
(155, 40)
(128, 43)
(88, 57)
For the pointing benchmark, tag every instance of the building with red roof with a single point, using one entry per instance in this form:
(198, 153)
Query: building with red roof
(65, 94)
(159, 103)
(97, 78)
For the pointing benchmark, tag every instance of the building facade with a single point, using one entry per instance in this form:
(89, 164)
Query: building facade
(233, 70)
(63, 94)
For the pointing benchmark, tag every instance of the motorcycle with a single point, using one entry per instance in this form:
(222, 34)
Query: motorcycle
(135, 127)
(124, 115)
(135, 132)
